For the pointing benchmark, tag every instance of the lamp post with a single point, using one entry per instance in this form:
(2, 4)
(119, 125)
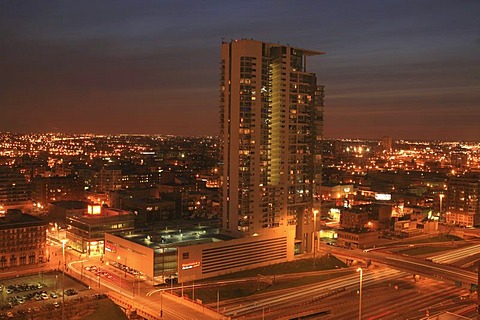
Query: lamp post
(63, 277)
(360, 294)
(98, 276)
(315, 211)
(441, 198)
(124, 269)
(161, 304)
(120, 277)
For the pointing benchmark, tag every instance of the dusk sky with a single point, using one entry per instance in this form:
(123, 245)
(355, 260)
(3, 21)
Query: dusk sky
(399, 68)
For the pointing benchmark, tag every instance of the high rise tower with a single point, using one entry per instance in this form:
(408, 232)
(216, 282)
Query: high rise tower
(271, 125)
(463, 200)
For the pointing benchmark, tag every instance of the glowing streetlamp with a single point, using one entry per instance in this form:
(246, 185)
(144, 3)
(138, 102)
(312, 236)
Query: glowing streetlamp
(124, 268)
(360, 294)
(315, 211)
(441, 199)
(63, 277)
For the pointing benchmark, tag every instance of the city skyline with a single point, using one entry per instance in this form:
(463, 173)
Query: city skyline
(402, 69)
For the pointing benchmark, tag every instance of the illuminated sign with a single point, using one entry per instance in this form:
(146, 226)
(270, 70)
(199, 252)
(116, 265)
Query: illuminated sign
(383, 196)
(190, 265)
(94, 209)
(110, 247)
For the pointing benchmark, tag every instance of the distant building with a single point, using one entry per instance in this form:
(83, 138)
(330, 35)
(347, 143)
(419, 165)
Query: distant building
(387, 143)
(108, 179)
(14, 190)
(272, 126)
(357, 239)
(353, 219)
(149, 210)
(45, 190)
(58, 211)
(337, 191)
(22, 240)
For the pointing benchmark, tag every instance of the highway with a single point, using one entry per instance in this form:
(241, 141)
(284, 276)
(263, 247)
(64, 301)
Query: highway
(297, 295)
(387, 294)
(410, 264)
(453, 256)
(405, 300)
(333, 299)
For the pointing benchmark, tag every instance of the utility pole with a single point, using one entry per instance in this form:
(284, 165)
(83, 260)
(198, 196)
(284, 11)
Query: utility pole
(478, 291)
(161, 304)
(314, 235)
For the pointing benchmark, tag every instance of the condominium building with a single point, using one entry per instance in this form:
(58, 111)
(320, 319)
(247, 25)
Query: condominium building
(271, 125)
(14, 190)
(462, 201)
(49, 189)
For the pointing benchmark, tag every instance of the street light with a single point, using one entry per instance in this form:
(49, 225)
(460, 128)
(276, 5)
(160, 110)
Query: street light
(315, 211)
(63, 277)
(124, 268)
(441, 198)
(360, 295)
(161, 304)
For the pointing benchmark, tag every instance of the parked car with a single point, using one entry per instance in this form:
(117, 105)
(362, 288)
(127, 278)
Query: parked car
(70, 292)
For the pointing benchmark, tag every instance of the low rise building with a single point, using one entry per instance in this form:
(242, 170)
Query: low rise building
(196, 253)
(86, 232)
(48, 189)
(357, 239)
(58, 211)
(22, 239)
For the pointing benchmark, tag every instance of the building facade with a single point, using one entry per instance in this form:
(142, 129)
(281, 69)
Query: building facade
(23, 240)
(86, 232)
(271, 123)
(48, 189)
(195, 253)
(14, 190)
(462, 201)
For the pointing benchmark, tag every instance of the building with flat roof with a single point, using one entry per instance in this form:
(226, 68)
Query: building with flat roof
(86, 232)
(194, 253)
(357, 239)
(271, 119)
(48, 189)
(23, 239)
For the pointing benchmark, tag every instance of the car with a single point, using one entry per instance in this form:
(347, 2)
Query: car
(70, 292)
(54, 295)
(44, 296)
(56, 304)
